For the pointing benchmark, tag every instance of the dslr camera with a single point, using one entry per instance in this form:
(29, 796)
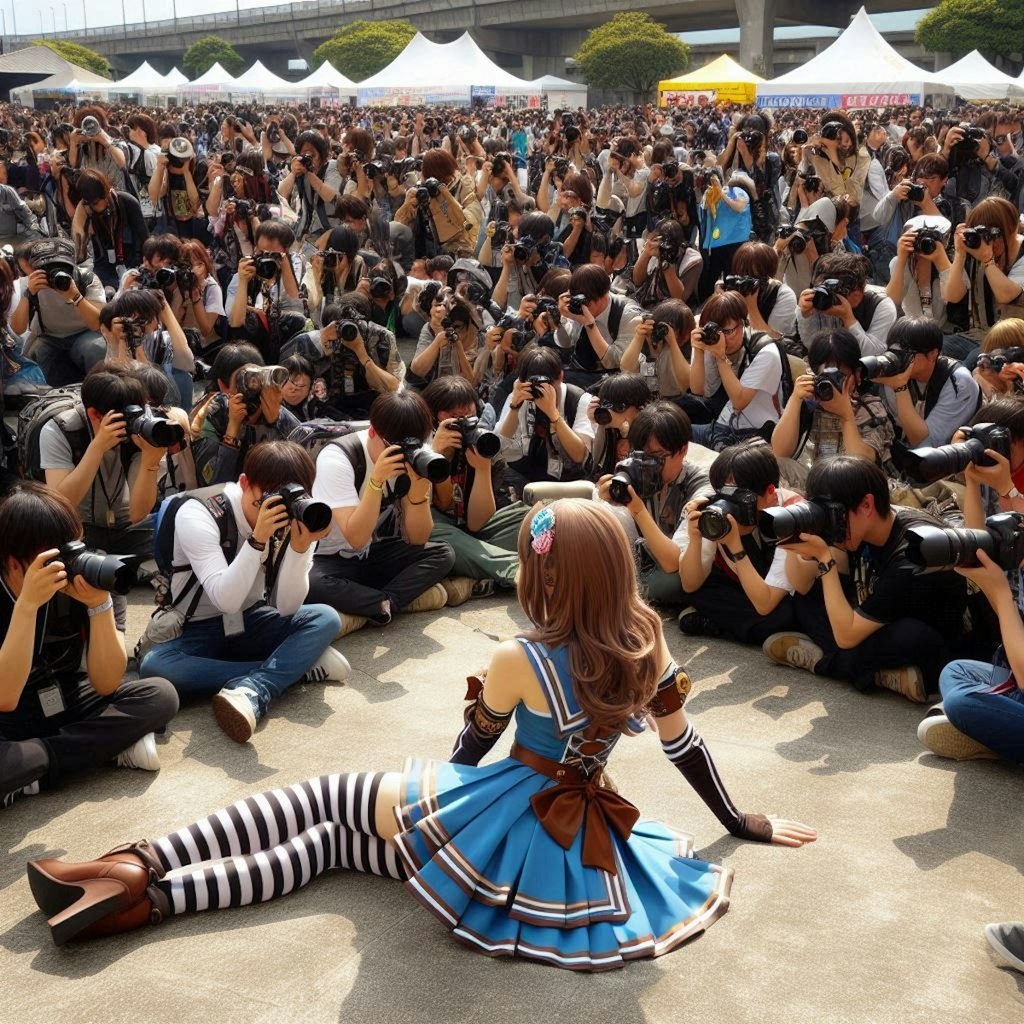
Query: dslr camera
(314, 515)
(268, 265)
(159, 279)
(352, 325)
(639, 470)
(153, 428)
(746, 286)
(824, 518)
(937, 548)
(997, 359)
(826, 294)
(828, 383)
(536, 382)
(253, 379)
(797, 239)
(522, 250)
(425, 461)
(973, 237)
(517, 325)
(738, 502)
(430, 189)
(830, 131)
(927, 240)
(888, 364)
(113, 573)
(659, 330)
(929, 465)
(668, 253)
(485, 443)
(799, 136)
(915, 192)
(577, 304)
(244, 208)
(710, 333)
(307, 161)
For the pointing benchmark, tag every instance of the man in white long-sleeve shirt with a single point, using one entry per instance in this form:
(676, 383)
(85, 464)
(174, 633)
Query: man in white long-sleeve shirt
(249, 635)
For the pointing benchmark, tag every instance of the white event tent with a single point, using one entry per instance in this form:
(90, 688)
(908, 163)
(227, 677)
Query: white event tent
(260, 80)
(328, 81)
(215, 80)
(175, 78)
(561, 92)
(455, 73)
(72, 80)
(973, 78)
(860, 69)
(145, 81)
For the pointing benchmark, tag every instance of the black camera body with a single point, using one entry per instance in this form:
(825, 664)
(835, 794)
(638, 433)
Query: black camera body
(938, 549)
(711, 333)
(927, 240)
(60, 277)
(577, 303)
(314, 515)
(268, 265)
(253, 379)
(639, 470)
(502, 233)
(973, 237)
(381, 286)
(523, 249)
(154, 429)
(928, 465)
(797, 239)
(739, 502)
(915, 193)
(826, 295)
(830, 131)
(185, 277)
(307, 161)
(828, 383)
(799, 136)
(244, 208)
(997, 359)
(373, 169)
(537, 382)
(113, 573)
(823, 518)
(159, 279)
(562, 167)
(888, 364)
(485, 443)
(428, 464)
(743, 284)
(668, 253)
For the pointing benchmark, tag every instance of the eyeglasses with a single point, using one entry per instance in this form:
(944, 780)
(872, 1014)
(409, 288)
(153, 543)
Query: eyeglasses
(729, 331)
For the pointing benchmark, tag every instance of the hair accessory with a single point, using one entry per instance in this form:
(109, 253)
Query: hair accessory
(542, 530)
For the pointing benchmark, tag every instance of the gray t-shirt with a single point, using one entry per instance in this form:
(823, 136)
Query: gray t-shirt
(60, 319)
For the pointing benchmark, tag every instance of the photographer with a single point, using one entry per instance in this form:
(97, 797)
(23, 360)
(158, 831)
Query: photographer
(90, 147)
(570, 213)
(59, 307)
(199, 291)
(65, 706)
(1000, 368)
(467, 516)
(174, 190)
(748, 151)
(248, 634)
(667, 267)
(864, 612)
(829, 410)
(449, 343)
(612, 411)
(522, 265)
(545, 421)
(596, 326)
(107, 228)
(848, 301)
(625, 178)
(988, 270)
(263, 299)
(974, 166)
(354, 369)
(237, 199)
(335, 269)
(818, 229)
(141, 154)
(771, 305)
(376, 561)
(657, 353)
(314, 180)
(739, 374)
(920, 269)
(934, 394)
(656, 493)
(837, 159)
(733, 574)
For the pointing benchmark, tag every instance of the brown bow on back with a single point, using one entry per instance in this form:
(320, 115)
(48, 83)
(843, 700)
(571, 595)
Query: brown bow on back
(569, 806)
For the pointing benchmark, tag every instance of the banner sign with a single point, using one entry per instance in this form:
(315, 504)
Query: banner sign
(859, 101)
(688, 97)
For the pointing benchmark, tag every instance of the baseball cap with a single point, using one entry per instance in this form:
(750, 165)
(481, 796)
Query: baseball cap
(90, 126)
(181, 149)
(280, 149)
(929, 221)
(821, 210)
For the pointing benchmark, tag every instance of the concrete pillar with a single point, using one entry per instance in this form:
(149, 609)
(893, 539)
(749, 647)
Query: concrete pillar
(757, 32)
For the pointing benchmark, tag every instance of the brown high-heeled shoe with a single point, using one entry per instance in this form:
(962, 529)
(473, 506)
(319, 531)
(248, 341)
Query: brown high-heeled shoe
(113, 894)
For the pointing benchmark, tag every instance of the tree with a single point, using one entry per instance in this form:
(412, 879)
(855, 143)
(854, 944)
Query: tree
(75, 53)
(364, 47)
(995, 27)
(631, 51)
(210, 50)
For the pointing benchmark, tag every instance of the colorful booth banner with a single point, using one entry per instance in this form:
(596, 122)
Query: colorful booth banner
(688, 97)
(848, 101)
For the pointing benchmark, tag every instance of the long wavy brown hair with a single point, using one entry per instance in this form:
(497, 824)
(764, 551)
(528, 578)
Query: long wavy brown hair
(594, 609)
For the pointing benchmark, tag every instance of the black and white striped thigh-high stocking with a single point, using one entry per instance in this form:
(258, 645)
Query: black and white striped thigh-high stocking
(270, 844)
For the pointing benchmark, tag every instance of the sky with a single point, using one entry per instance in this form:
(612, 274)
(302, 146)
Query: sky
(42, 16)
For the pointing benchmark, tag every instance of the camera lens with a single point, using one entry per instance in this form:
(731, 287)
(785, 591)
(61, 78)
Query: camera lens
(314, 515)
(783, 523)
(799, 136)
(713, 522)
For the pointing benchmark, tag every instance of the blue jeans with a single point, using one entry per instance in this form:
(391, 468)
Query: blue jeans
(994, 719)
(269, 655)
(67, 360)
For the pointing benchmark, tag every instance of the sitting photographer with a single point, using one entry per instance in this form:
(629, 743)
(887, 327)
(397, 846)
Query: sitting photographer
(357, 359)
(667, 267)
(60, 308)
(830, 410)
(818, 230)
(263, 300)
(449, 343)
(739, 374)
(612, 411)
(467, 516)
(596, 326)
(246, 408)
(840, 296)
(1000, 367)
(920, 269)
(65, 706)
(246, 633)
(545, 423)
(771, 304)
(987, 270)
(315, 181)
(928, 394)
(107, 228)
(653, 484)
(735, 576)
(864, 612)
(377, 560)
(522, 265)
(658, 352)
(335, 269)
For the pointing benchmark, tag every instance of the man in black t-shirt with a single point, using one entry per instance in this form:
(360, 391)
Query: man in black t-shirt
(873, 620)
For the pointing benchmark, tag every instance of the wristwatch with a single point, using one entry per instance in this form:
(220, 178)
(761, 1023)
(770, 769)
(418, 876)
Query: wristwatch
(824, 568)
(734, 558)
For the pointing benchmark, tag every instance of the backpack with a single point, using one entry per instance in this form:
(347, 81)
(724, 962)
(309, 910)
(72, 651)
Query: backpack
(63, 406)
(315, 435)
(758, 343)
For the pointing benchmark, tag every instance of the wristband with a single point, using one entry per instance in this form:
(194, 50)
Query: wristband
(255, 544)
(985, 266)
(734, 558)
(516, 405)
(374, 486)
(101, 608)
(555, 423)
(902, 387)
(824, 568)
(1012, 493)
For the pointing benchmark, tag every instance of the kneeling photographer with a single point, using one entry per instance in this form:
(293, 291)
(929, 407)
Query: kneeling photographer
(653, 484)
(236, 614)
(471, 510)
(920, 268)
(65, 706)
(864, 611)
(734, 576)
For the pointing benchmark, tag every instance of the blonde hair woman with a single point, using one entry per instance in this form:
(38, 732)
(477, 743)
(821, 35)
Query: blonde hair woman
(1000, 367)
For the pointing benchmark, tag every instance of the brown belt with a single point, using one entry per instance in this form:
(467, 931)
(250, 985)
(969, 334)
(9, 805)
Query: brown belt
(579, 802)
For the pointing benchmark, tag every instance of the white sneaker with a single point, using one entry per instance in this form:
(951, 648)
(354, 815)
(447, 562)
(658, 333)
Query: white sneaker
(141, 754)
(236, 712)
(6, 799)
(794, 649)
(941, 737)
(331, 667)
(1007, 942)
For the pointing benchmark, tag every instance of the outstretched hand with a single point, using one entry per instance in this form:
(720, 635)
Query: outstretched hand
(791, 833)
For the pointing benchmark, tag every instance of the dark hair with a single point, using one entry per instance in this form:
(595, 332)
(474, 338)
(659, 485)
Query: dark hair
(316, 140)
(33, 519)
(555, 282)
(230, 359)
(275, 230)
(591, 281)
(678, 315)
(536, 225)
(136, 303)
(916, 334)
(145, 123)
(839, 346)
(849, 268)
(545, 362)
(167, 247)
(270, 465)
(298, 364)
(722, 307)
(665, 422)
(154, 381)
(755, 259)
(351, 208)
(397, 415)
(6, 289)
(447, 393)
(111, 387)
(1007, 411)
(92, 186)
(752, 464)
(628, 388)
(343, 239)
(848, 480)
(334, 309)
(580, 184)
(359, 139)
(931, 163)
(442, 261)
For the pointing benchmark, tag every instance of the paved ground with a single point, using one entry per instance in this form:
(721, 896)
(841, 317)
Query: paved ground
(880, 920)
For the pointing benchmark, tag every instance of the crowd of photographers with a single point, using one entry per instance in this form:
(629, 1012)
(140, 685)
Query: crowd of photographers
(202, 312)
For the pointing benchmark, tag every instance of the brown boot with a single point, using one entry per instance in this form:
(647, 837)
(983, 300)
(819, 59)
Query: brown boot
(101, 897)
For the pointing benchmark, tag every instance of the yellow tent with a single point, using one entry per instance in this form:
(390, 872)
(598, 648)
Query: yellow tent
(721, 81)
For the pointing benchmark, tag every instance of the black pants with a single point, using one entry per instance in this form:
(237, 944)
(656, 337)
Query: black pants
(129, 540)
(724, 602)
(904, 642)
(90, 731)
(392, 571)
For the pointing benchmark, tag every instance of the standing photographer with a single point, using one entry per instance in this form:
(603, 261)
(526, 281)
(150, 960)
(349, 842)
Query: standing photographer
(838, 159)
(748, 151)
(174, 190)
(107, 228)
(248, 634)
(315, 181)
(920, 269)
(65, 706)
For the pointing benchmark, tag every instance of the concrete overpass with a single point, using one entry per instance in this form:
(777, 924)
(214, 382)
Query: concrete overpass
(531, 37)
